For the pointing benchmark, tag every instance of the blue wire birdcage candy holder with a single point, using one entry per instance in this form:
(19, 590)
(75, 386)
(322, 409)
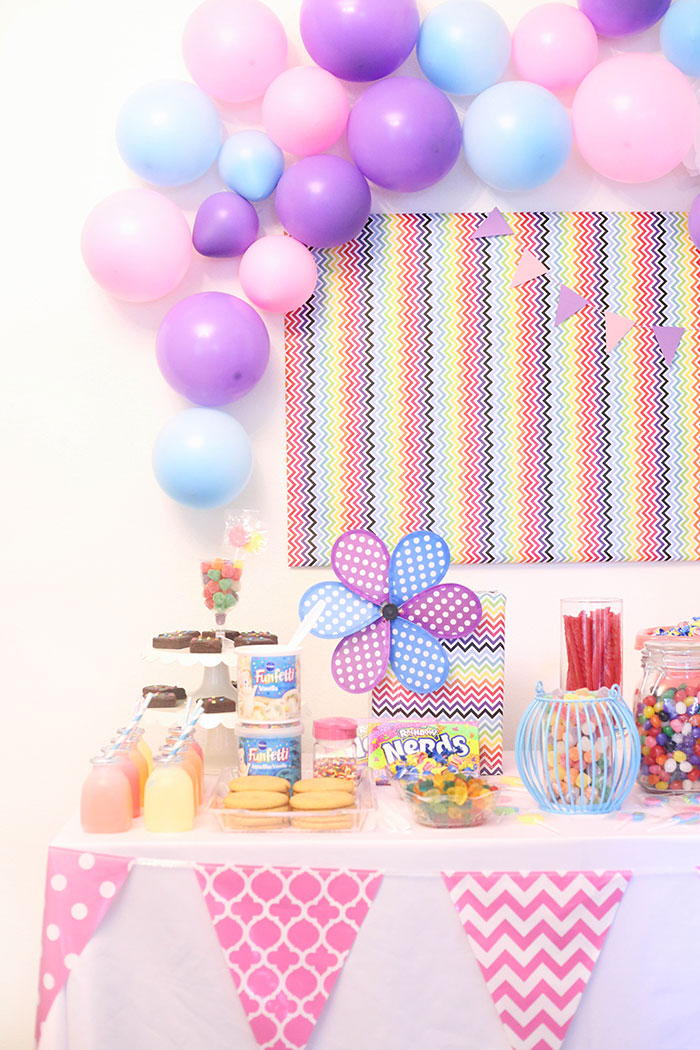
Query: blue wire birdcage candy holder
(578, 752)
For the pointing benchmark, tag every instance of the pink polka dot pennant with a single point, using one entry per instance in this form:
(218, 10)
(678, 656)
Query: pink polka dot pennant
(80, 888)
(285, 933)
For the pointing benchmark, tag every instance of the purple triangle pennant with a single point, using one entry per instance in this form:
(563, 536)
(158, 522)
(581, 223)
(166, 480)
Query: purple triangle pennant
(494, 225)
(570, 303)
(668, 337)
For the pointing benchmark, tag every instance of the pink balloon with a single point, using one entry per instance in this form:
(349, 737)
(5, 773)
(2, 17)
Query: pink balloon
(278, 274)
(234, 48)
(635, 117)
(137, 245)
(555, 45)
(305, 110)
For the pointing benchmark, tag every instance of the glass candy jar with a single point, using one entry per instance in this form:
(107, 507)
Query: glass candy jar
(667, 713)
(335, 748)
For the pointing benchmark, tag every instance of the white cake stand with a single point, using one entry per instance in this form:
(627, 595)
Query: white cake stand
(216, 677)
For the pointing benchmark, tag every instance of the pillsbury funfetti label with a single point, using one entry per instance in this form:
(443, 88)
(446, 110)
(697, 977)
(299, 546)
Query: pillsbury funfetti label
(268, 685)
(386, 742)
(275, 756)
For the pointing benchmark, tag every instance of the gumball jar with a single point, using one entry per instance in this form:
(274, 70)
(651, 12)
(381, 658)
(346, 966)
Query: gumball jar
(667, 715)
(578, 752)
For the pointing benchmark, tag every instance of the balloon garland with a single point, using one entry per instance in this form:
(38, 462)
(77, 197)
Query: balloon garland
(633, 119)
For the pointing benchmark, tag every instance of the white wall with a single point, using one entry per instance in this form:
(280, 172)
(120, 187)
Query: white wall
(96, 558)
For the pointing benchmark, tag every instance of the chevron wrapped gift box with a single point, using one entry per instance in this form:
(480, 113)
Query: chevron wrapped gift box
(474, 686)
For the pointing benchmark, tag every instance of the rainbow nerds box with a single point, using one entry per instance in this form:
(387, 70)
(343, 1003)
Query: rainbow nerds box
(383, 743)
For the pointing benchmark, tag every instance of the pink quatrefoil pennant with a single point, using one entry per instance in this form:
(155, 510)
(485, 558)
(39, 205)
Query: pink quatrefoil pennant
(286, 933)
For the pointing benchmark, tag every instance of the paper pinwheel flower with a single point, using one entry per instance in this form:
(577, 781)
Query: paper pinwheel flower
(391, 610)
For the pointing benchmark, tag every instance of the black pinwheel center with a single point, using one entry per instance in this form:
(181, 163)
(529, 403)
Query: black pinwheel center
(389, 611)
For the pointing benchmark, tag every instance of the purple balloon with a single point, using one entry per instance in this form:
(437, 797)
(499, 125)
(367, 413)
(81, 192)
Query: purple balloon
(694, 222)
(361, 40)
(212, 347)
(323, 200)
(404, 134)
(622, 17)
(225, 225)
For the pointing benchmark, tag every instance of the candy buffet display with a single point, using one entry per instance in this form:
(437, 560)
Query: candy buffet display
(578, 752)
(667, 711)
(591, 643)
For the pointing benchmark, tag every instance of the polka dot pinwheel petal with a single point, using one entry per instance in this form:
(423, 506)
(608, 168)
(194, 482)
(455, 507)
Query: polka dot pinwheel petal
(446, 611)
(361, 561)
(419, 661)
(419, 560)
(344, 613)
(359, 662)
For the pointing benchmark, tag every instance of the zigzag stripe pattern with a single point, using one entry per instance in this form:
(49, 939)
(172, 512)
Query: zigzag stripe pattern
(473, 690)
(424, 391)
(536, 938)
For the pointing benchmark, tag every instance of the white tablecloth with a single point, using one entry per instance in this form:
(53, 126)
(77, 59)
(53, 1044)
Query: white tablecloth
(154, 975)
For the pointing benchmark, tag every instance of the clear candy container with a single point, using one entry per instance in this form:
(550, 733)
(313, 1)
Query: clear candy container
(335, 748)
(667, 713)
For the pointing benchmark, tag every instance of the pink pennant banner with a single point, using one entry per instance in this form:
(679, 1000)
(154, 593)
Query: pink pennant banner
(668, 337)
(616, 328)
(494, 225)
(286, 933)
(570, 303)
(80, 888)
(529, 267)
(536, 937)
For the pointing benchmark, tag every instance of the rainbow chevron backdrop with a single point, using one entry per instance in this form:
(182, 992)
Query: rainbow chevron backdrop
(424, 392)
(474, 686)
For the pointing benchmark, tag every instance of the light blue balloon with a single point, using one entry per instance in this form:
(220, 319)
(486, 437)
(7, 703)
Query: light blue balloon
(202, 458)
(251, 164)
(463, 46)
(680, 36)
(516, 136)
(169, 132)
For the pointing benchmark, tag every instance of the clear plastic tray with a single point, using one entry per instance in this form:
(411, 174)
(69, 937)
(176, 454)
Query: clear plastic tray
(294, 820)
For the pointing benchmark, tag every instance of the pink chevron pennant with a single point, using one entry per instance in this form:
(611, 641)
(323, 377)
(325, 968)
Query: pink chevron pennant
(529, 267)
(570, 303)
(536, 938)
(80, 888)
(286, 933)
(616, 328)
(668, 337)
(494, 225)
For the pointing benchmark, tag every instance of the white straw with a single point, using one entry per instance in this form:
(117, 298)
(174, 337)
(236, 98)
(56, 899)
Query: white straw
(307, 624)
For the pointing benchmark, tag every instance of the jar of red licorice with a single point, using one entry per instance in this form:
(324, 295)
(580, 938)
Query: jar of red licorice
(591, 643)
(667, 714)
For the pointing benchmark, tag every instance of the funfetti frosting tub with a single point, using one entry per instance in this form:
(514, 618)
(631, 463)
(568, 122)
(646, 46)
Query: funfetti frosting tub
(270, 751)
(268, 684)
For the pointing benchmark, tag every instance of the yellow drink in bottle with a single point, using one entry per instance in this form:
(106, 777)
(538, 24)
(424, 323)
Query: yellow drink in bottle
(169, 799)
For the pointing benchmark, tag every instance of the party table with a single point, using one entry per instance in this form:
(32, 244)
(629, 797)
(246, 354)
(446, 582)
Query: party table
(154, 974)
